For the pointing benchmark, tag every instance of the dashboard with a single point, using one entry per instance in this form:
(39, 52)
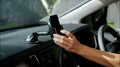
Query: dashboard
(15, 51)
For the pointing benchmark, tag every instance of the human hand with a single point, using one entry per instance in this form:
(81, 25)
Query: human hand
(68, 42)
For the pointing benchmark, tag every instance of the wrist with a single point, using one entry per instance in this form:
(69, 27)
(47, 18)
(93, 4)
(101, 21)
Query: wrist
(80, 49)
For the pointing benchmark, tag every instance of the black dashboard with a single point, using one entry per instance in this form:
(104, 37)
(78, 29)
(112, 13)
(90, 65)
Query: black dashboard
(15, 51)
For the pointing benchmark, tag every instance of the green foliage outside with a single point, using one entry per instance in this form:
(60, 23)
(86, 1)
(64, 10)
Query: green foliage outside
(8, 26)
(111, 24)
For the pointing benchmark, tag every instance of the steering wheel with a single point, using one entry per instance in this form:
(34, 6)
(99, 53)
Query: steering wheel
(67, 59)
(105, 33)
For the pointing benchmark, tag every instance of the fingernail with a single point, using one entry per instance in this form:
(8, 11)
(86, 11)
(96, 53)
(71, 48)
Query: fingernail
(62, 31)
(54, 35)
(54, 38)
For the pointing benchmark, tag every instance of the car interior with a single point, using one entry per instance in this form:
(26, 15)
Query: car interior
(95, 23)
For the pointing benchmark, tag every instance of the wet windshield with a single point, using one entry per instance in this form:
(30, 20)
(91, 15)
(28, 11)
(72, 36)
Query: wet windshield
(22, 13)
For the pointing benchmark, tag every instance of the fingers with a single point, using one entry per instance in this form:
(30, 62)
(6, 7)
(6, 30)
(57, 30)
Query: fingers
(68, 34)
(62, 39)
(57, 41)
(64, 44)
(67, 42)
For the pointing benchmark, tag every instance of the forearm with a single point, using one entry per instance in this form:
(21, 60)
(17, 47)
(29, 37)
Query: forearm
(70, 43)
(104, 58)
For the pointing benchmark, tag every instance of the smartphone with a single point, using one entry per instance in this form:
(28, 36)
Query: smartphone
(54, 25)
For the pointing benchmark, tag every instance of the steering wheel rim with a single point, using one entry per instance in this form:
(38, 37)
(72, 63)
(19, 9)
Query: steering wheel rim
(100, 36)
(71, 58)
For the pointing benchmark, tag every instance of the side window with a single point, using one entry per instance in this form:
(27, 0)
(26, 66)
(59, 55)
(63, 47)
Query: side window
(113, 15)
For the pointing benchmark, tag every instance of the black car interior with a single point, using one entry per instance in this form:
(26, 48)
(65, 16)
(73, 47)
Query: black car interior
(34, 47)
(16, 50)
(40, 50)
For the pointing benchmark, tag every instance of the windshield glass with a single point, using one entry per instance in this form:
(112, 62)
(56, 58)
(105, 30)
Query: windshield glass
(22, 13)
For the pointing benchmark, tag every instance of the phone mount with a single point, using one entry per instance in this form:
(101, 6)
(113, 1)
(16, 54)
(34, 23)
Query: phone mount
(54, 27)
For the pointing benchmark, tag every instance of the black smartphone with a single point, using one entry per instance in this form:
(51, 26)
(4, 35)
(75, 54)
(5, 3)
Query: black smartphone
(54, 25)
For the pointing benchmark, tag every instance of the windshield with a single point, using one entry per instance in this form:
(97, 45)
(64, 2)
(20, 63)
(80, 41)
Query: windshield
(22, 13)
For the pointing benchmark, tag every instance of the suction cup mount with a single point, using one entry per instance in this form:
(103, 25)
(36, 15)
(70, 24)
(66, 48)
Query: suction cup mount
(54, 27)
